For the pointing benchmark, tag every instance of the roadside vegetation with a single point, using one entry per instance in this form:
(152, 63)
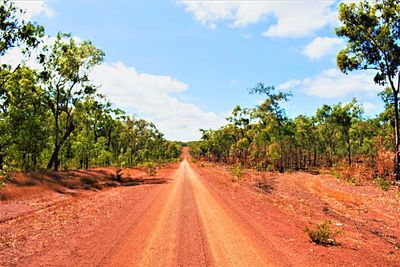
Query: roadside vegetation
(340, 137)
(323, 234)
(52, 117)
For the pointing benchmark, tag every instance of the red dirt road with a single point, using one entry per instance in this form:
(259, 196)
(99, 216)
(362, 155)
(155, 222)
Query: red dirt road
(178, 223)
(196, 216)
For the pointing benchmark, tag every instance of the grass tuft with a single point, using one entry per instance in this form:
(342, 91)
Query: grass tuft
(383, 183)
(323, 234)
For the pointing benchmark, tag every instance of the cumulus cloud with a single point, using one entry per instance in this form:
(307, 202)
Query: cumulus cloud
(332, 83)
(369, 107)
(34, 7)
(154, 98)
(323, 46)
(291, 18)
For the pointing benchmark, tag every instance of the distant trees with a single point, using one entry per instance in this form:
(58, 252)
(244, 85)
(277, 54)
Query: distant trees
(372, 31)
(265, 138)
(54, 115)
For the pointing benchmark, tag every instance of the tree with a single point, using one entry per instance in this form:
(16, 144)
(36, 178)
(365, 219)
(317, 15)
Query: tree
(15, 32)
(345, 116)
(372, 31)
(66, 65)
(24, 119)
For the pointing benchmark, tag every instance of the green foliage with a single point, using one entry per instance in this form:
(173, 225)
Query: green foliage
(66, 65)
(16, 32)
(383, 183)
(260, 167)
(336, 172)
(323, 234)
(372, 32)
(150, 169)
(264, 138)
(55, 117)
(236, 172)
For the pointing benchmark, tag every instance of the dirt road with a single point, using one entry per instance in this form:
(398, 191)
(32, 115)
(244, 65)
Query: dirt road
(185, 226)
(194, 215)
(178, 223)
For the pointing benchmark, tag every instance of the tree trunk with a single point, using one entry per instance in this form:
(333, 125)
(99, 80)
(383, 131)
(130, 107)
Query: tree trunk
(349, 149)
(1, 161)
(396, 136)
(54, 159)
(315, 157)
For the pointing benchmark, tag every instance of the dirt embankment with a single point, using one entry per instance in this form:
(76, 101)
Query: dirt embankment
(194, 215)
(280, 206)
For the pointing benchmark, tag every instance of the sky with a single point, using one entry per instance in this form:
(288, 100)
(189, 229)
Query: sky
(184, 65)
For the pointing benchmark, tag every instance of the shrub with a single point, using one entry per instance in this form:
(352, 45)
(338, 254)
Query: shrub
(323, 235)
(384, 162)
(270, 168)
(260, 167)
(3, 182)
(5, 175)
(150, 169)
(398, 195)
(355, 174)
(236, 172)
(383, 183)
(336, 173)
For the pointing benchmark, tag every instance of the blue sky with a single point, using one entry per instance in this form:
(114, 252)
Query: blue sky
(185, 64)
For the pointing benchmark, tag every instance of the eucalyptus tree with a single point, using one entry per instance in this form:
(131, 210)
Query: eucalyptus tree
(240, 121)
(14, 32)
(64, 78)
(272, 117)
(345, 116)
(372, 31)
(23, 120)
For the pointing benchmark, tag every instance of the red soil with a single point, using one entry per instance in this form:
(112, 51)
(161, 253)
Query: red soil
(194, 216)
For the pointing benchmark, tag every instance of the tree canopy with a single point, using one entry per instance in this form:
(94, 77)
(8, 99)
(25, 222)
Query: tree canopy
(54, 116)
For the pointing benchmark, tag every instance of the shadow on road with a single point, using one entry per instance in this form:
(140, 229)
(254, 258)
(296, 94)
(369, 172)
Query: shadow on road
(68, 182)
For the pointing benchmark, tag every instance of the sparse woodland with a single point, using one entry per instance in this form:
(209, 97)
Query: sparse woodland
(53, 116)
(83, 183)
(338, 136)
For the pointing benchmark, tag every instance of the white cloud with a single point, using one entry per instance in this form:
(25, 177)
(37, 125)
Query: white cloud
(34, 7)
(289, 85)
(154, 98)
(246, 36)
(292, 18)
(323, 46)
(369, 107)
(332, 83)
(15, 56)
